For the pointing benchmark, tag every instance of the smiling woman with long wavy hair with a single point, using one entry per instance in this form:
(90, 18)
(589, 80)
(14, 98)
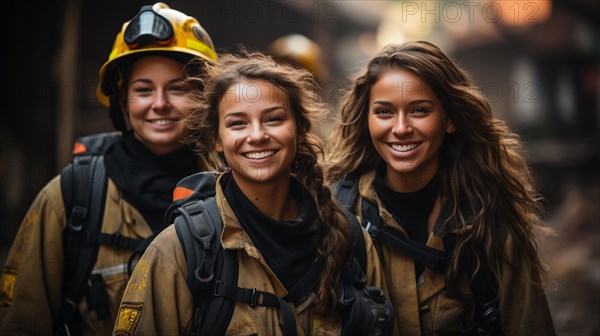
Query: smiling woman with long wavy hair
(436, 169)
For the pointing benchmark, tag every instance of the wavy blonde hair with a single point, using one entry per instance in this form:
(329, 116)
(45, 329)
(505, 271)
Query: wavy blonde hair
(482, 165)
(302, 93)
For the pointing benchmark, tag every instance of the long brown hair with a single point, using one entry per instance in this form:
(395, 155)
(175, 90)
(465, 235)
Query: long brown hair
(302, 92)
(482, 163)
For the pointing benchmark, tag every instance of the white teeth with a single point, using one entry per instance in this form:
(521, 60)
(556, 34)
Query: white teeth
(162, 122)
(404, 148)
(259, 155)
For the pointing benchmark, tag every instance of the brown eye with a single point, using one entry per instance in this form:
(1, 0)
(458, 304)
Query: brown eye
(141, 89)
(420, 110)
(234, 123)
(383, 111)
(274, 119)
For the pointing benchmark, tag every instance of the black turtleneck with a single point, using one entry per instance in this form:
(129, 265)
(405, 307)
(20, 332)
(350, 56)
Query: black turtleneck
(410, 209)
(147, 180)
(288, 247)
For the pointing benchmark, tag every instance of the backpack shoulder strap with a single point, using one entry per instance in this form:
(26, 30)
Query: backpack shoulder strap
(213, 271)
(359, 249)
(95, 144)
(484, 288)
(83, 185)
(434, 259)
(364, 310)
(198, 225)
(345, 191)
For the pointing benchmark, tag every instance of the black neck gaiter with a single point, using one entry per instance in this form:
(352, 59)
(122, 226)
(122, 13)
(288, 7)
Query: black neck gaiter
(288, 247)
(411, 209)
(147, 180)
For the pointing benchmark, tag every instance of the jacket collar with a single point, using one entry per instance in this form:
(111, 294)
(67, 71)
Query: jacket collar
(129, 215)
(233, 236)
(367, 190)
(430, 283)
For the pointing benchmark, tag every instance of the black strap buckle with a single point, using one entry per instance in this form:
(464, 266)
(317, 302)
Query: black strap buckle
(79, 212)
(253, 298)
(217, 290)
(371, 229)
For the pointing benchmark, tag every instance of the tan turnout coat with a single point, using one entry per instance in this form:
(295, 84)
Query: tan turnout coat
(32, 276)
(158, 301)
(423, 306)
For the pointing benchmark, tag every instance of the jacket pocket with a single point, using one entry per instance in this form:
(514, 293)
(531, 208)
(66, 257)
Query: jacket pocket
(325, 328)
(442, 315)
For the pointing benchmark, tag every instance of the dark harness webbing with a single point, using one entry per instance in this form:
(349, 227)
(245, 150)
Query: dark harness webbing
(84, 185)
(485, 289)
(213, 271)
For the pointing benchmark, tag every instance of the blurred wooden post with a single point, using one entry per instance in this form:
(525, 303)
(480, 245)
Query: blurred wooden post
(66, 72)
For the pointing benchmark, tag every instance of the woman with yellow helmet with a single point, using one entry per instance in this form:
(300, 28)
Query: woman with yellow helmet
(144, 86)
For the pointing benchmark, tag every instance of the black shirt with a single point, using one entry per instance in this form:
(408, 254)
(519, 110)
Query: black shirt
(288, 247)
(410, 210)
(147, 180)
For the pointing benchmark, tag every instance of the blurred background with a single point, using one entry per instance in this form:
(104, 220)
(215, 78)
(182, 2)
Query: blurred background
(536, 61)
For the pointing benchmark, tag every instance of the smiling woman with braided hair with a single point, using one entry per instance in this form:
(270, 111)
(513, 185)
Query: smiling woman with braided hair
(254, 117)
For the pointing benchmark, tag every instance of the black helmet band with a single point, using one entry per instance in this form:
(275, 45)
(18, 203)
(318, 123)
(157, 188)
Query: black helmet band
(147, 27)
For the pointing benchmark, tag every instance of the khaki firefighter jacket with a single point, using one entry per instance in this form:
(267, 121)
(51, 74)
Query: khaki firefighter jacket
(158, 301)
(423, 306)
(32, 277)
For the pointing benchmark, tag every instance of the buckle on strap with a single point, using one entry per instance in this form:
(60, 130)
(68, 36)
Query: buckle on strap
(247, 295)
(79, 212)
(218, 286)
(253, 298)
(372, 229)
